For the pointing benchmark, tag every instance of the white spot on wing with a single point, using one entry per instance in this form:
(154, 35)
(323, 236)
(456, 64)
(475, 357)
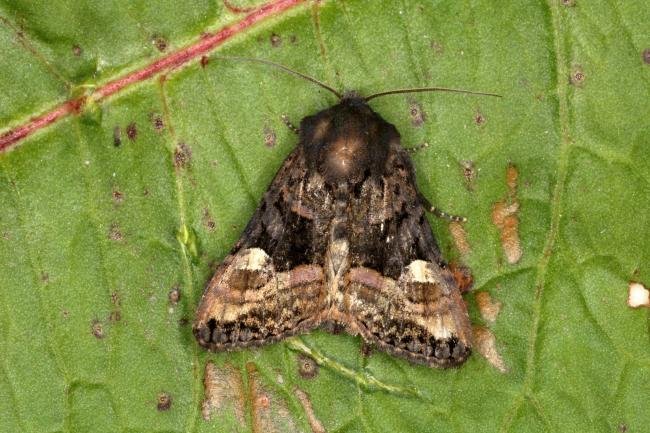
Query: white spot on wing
(420, 272)
(254, 259)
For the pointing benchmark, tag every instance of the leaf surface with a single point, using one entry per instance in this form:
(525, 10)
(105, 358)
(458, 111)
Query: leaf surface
(107, 210)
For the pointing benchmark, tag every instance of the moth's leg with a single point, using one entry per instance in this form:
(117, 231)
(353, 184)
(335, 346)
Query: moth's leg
(290, 125)
(437, 212)
(417, 148)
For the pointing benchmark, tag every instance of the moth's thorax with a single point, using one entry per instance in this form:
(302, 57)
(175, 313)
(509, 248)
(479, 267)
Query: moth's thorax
(347, 142)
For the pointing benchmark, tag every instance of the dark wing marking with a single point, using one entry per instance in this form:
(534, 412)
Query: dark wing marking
(398, 292)
(272, 284)
(392, 219)
(420, 316)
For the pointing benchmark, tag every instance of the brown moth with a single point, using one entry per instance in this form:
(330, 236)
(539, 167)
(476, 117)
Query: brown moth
(341, 241)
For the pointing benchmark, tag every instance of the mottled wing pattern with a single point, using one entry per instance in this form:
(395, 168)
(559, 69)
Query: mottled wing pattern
(400, 294)
(272, 284)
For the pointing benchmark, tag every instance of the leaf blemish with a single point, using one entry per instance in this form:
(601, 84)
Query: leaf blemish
(417, 114)
(437, 48)
(159, 42)
(569, 3)
(164, 402)
(276, 40)
(223, 392)
(114, 233)
(270, 138)
(462, 275)
(479, 118)
(577, 77)
(117, 136)
(97, 329)
(638, 295)
(459, 236)
(307, 367)
(646, 56)
(182, 156)
(469, 173)
(118, 196)
(305, 401)
(208, 222)
(488, 308)
(157, 121)
(76, 50)
(505, 218)
(204, 61)
(268, 411)
(485, 344)
(174, 295)
(132, 131)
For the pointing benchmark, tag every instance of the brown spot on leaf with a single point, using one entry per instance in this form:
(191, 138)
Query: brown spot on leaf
(463, 276)
(479, 118)
(485, 344)
(577, 77)
(118, 196)
(97, 329)
(117, 136)
(276, 40)
(459, 235)
(223, 393)
(505, 218)
(115, 299)
(115, 316)
(646, 56)
(114, 233)
(366, 349)
(488, 308)
(569, 3)
(174, 295)
(132, 131)
(437, 48)
(164, 402)
(269, 412)
(307, 367)
(157, 122)
(208, 222)
(45, 277)
(314, 423)
(182, 156)
(270, 137)
(293, 39)
(76, 50)
(469, 173)
(159, 42)
(204, 61)
(417, 114)
(638, 295)
(622, 427)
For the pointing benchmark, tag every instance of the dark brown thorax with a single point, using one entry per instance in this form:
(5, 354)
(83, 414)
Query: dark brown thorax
(347, 142)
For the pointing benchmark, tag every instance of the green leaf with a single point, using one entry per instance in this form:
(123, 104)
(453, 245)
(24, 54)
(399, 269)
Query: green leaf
(106, 211)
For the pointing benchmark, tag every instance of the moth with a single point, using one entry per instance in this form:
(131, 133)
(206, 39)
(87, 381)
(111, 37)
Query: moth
(341, 241)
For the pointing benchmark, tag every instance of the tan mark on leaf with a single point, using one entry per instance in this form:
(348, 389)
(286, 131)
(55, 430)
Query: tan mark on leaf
(314, 423)
(223, 393)
(485, 344)
(505, 217)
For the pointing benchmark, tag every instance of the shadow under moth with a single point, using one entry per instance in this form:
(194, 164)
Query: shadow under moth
(341, 240)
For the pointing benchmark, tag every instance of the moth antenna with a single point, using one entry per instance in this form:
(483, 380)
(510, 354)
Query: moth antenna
(428, 89)
(283, 68)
